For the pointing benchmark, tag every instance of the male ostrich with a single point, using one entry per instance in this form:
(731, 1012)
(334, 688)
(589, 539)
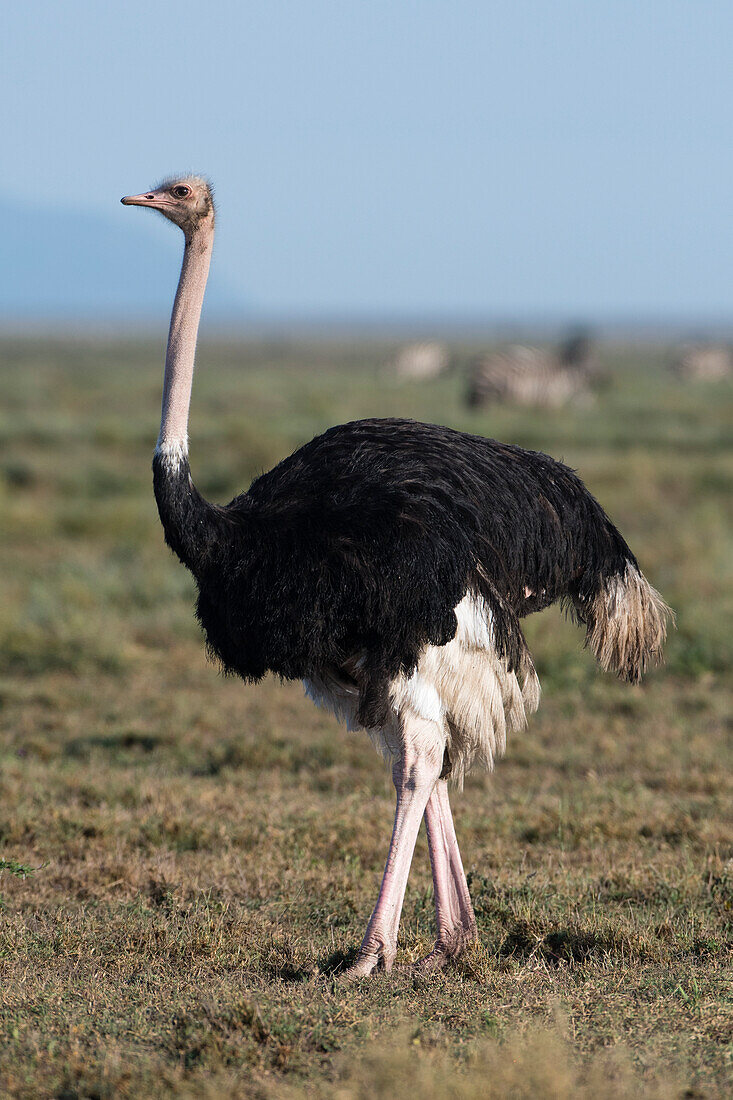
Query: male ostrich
(387, 564)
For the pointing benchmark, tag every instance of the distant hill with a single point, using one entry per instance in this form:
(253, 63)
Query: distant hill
(74, 266)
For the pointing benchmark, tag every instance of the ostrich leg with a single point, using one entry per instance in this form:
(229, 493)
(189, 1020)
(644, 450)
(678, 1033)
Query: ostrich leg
(414, 773)
(453, 910)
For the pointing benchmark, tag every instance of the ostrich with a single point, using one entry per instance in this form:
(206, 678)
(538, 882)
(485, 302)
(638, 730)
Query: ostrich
(387, 565)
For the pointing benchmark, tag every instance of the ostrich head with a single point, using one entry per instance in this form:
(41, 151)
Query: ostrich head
(189, 202)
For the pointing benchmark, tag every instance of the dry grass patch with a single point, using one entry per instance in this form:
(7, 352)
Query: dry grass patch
(205, 856)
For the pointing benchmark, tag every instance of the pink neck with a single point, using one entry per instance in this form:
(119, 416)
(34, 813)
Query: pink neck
(179, 358)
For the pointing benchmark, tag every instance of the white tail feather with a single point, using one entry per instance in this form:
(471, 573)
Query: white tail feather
(627, 625)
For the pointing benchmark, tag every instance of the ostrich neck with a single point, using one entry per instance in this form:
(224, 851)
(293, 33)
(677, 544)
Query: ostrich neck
(189, 521)
(181, 350)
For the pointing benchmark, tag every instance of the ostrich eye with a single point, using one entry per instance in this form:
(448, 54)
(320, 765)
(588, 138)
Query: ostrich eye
(181, 192)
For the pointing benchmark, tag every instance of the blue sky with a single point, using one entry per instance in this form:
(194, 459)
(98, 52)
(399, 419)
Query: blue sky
(559, 158)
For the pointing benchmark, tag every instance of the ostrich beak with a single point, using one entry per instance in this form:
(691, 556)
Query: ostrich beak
(150, 198)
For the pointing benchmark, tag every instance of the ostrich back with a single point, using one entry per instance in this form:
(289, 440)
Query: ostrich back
(354, 551)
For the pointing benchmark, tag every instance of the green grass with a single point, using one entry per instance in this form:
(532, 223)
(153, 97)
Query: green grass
(205, 855)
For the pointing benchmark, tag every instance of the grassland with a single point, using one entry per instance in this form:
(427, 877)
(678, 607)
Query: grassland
(205, 855)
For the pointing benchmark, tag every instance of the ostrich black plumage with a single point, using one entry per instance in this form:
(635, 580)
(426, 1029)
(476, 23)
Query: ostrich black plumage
(388, 564)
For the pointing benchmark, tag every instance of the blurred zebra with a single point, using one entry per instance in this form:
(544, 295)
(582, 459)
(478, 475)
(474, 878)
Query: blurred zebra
(421, 361)
(703, 362)
(523, 375)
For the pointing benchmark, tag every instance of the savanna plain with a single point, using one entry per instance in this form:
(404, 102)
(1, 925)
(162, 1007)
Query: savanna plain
(187, 864)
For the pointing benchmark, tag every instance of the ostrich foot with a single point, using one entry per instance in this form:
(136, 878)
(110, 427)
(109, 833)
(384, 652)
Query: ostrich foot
(448, 946)
(376, 953)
